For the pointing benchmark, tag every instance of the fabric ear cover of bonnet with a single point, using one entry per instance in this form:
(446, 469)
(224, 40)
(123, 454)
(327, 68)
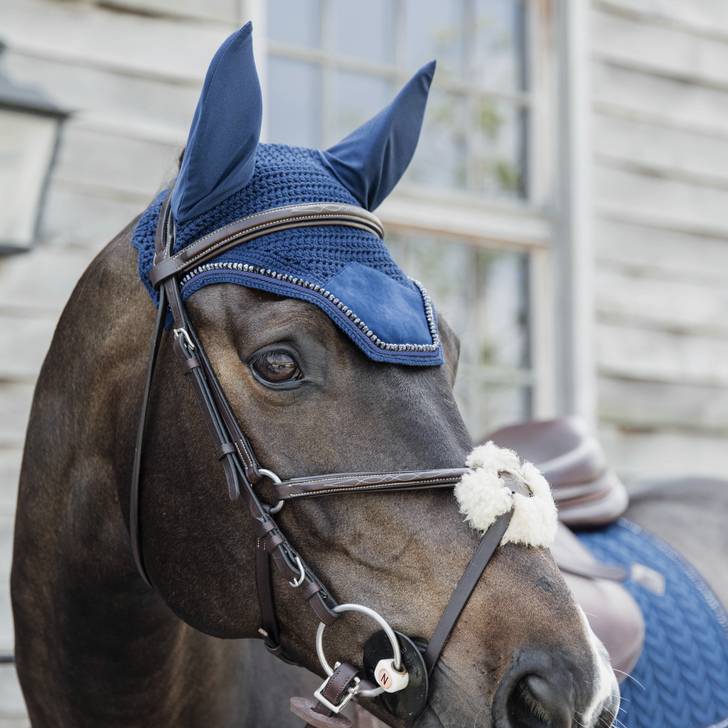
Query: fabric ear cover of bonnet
(219, 158)
(371, 160)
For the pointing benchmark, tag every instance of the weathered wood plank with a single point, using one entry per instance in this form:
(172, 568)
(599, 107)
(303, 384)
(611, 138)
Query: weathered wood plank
(20, 722)
(671, 305)
(97, 157)
(668, 151)
(8, 699)
(666, 50)
(40, 281)
(99, 37)
(675, 202)
(103, 216)
(121, 99)
(222, 10)
(10, 458)
(666, 100)
(655, 405)
(708, 17)
(12, 707)
(15, 401)
(661, 251)
(664, 454)
(6, 545)
(642, 353)
(26, 342)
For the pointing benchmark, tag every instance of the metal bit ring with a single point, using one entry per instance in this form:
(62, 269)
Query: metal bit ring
(361, 609)
(277, 481)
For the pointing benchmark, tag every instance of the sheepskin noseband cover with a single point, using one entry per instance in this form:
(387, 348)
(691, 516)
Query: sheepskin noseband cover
(483, 495)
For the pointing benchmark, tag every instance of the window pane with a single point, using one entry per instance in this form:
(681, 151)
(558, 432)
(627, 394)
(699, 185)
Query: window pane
(364, 29)
(441, 153)
(497, 148)
(499, 44)
(482, 293)
(356, 98)
(294, 21)
(293, 103)
(486, 406)
(499, 310)
(434, 29)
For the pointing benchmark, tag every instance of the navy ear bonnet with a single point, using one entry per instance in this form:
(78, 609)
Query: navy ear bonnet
(347, 272)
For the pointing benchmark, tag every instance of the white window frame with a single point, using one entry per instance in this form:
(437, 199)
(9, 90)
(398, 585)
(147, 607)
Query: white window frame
(574, 255)
(527, 225)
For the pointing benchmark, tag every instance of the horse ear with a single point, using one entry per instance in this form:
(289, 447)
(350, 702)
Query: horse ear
(371, 160)
(220, 154)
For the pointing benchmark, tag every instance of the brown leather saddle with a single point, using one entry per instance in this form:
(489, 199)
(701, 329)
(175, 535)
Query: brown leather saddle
(589, 494)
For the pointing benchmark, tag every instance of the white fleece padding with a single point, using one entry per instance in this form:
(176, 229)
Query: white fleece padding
(483, 495)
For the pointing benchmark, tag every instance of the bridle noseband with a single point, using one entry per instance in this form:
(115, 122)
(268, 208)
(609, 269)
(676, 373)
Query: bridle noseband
(243, 472)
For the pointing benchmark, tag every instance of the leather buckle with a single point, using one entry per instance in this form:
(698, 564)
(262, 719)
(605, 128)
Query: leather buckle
(345, 700)
(181, 334)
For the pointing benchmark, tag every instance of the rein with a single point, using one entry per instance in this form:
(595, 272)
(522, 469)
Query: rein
(402, 680)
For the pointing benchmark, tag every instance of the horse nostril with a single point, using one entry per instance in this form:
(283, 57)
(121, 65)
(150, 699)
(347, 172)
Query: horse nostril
(535, 702)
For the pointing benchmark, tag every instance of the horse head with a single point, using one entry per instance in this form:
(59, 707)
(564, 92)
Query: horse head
(312, 402)
(332, 361)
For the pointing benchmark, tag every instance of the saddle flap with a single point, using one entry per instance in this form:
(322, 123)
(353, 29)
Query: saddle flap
(613, 614)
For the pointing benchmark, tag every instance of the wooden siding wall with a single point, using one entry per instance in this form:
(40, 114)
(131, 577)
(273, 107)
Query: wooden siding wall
(660, 138)
(130, 73)
(130, 70)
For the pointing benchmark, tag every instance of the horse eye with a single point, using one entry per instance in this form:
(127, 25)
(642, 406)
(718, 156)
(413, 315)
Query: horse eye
(275, 367)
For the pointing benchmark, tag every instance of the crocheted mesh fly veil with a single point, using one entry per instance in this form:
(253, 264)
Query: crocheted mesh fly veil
(227, 174)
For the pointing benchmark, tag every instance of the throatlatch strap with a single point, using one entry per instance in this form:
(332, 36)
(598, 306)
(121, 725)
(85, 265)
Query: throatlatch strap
(134, 505)
(468, 581)
(135, 534)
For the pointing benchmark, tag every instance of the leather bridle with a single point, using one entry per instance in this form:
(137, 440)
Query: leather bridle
(243, 472)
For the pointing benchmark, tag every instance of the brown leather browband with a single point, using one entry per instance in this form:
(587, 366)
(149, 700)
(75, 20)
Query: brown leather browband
(242, 471)
(262, 223)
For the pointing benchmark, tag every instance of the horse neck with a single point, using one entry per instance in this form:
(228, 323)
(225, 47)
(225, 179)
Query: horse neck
(74, 579)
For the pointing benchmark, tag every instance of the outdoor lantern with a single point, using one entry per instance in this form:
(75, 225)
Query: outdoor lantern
(29, 130)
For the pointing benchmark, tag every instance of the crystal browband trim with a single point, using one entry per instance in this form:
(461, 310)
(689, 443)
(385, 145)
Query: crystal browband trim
(285, 277)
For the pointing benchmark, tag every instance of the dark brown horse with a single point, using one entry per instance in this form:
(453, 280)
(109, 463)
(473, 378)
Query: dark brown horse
(97, 647)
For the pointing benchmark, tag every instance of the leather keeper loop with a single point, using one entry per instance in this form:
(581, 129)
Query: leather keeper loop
(321, 609)
(226, 448)
(271, 541)
(252, 474)
(190, 363)
(265, 525)
(189, 360)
